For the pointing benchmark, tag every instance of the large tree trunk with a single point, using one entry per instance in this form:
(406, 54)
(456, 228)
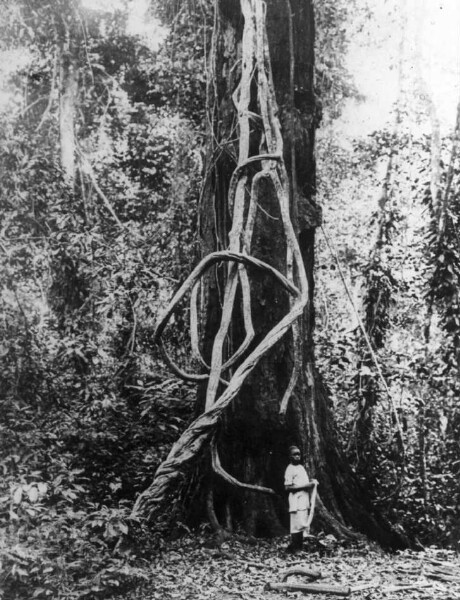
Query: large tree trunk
(254, 440)
(250, 431)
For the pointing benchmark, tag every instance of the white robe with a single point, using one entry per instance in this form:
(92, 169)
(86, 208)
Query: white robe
(299, 501)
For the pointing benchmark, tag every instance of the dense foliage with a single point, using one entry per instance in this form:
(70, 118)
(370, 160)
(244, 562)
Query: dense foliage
(88, 409)
(389, 377)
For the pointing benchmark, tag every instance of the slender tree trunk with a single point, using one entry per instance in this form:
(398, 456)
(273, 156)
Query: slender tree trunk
(68, 94)
(422, 449)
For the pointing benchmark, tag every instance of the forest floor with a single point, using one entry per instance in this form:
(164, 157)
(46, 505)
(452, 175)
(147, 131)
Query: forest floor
(244, 569)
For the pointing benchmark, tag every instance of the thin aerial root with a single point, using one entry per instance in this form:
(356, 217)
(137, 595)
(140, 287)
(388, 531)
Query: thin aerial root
(219, 340)
(236, 175)
(251, 216)
(194, 337)
(219, 470)
(247, 319)
(177, 370)
(295, 370)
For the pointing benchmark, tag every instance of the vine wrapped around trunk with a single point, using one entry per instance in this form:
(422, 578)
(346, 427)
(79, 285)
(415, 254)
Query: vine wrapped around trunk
(243, 205)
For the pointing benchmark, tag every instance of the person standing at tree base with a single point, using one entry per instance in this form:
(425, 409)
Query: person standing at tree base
(297, 483)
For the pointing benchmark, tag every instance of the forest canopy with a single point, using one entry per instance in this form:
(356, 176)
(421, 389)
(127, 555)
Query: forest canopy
(225, 228)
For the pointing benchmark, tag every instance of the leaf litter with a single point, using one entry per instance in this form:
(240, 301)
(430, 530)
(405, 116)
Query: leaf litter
(244, 568)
